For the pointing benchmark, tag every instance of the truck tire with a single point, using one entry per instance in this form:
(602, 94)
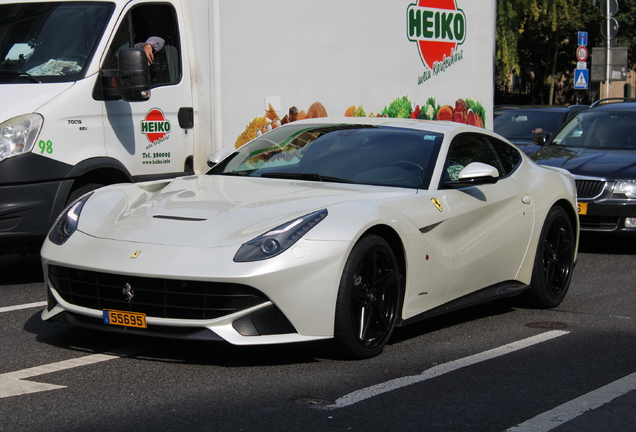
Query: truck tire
(81, 190)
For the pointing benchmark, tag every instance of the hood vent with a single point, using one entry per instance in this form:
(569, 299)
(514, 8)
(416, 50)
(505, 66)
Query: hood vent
(179, 218)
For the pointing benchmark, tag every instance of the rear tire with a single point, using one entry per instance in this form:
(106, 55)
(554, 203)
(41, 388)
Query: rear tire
(369, 299)
(554, 261)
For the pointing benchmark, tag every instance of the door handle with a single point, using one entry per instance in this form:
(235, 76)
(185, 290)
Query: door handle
(186, 117)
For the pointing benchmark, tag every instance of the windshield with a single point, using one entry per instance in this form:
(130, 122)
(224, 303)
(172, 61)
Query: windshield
(600, 129)
(49, 42)
(518, 124)
(345, 153)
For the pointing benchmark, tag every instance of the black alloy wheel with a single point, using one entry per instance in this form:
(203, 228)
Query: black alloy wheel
(554, 262)
(369, 297)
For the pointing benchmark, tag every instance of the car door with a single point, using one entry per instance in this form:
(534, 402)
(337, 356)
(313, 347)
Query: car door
(491, 224)
(147, 136)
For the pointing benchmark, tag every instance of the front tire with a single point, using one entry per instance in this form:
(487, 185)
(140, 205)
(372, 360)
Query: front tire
(554, 261)
(369, 298)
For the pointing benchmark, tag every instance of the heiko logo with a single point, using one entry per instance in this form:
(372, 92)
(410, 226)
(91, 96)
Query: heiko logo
(438, 27)
(155, 126)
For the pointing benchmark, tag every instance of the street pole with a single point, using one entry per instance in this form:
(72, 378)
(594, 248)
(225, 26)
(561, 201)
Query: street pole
(607, 51)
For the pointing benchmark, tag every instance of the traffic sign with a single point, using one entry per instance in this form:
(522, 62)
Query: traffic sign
(582, 38)
(609, 8)
(581, 79)
(581, 53)
(609, 28)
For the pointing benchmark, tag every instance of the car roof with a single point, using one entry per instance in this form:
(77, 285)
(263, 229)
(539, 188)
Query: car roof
(441, 126)
(615, 106)
(557, 108)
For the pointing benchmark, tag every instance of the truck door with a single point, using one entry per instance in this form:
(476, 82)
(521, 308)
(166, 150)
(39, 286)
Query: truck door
(147, 137)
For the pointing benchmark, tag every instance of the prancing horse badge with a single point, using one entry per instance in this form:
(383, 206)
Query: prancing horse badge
(438, 204)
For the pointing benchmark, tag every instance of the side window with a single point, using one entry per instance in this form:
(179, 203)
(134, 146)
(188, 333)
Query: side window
(154, 24)
(469, 148)
(508, 156)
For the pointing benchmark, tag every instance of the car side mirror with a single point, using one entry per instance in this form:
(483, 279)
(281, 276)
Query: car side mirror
(217, 156)
(474, 174)
(542, 138)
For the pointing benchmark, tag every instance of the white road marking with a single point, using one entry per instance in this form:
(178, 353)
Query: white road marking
(13, 384)
(22, 306)
(570, 410)
(378, 389)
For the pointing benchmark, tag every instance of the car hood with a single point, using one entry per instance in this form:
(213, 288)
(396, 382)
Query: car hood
(528, 146)
(212, 211)
(610, 164)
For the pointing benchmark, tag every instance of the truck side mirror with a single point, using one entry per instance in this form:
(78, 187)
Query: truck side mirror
(135, 74)
(130, 82)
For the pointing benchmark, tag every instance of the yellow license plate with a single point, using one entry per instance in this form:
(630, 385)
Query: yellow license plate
(128, 319)
(582, 208)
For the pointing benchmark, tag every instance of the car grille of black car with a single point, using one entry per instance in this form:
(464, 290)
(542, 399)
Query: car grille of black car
(589, 188)
(163, 298)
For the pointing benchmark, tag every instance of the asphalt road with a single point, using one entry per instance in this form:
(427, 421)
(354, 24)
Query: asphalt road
(494, 367)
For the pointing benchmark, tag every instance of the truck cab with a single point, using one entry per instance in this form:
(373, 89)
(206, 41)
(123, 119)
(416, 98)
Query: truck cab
(78, 114)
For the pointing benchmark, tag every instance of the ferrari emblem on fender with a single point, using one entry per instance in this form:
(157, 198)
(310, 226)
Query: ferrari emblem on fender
(438, 204)
(135, 254)
(128, 292)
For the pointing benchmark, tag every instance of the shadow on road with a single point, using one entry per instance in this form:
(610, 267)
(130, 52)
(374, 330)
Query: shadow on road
(17, 269)
(224, 354)
(594, 243)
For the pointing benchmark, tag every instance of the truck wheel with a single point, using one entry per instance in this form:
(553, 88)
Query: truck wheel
(554, 261)
(369, 297)
(81, 190)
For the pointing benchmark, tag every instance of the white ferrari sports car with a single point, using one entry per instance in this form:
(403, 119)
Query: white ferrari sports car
(332, 228)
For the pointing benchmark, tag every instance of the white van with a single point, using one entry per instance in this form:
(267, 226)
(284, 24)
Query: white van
(75, 113)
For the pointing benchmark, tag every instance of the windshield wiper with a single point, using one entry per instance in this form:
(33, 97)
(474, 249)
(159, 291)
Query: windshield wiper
(19, 73)
(306, 176)
(231, 173)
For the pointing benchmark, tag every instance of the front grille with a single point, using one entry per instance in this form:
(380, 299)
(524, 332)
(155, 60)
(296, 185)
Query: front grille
(589, 188)
(163, 298)
(593, 223)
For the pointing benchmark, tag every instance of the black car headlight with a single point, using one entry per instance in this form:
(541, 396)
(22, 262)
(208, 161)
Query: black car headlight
(627, 188)
(66, 223)
(279, 239)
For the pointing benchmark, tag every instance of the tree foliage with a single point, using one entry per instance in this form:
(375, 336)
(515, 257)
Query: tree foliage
(537, 41)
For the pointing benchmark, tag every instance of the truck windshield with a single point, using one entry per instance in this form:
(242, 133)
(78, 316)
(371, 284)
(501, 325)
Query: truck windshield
(49, 42)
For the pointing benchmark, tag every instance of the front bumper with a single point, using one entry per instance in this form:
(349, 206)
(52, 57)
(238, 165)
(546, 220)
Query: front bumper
(33, 191)
(27, 212)
(604, 212)
(195, 293)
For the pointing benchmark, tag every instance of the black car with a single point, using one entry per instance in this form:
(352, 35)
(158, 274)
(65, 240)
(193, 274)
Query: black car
(529, 126)
(598, 147)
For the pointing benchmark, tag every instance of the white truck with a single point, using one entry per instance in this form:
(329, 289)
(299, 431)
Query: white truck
(81, 108)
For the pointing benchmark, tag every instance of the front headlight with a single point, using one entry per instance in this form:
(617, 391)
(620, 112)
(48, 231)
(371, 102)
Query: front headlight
(18, 135)
(279, 239)
(66, 223)
(627, 188)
